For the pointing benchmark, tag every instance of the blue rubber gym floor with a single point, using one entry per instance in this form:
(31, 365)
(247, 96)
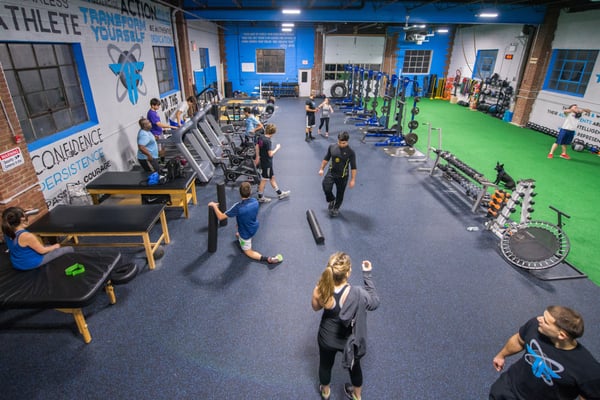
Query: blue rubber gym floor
(221, 326)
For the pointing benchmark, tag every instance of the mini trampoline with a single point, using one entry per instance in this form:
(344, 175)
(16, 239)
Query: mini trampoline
(535, 245)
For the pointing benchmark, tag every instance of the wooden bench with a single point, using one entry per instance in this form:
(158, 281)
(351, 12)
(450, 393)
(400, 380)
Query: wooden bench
(182, 190)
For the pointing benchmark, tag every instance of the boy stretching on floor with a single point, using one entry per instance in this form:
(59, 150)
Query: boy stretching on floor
(245, 212)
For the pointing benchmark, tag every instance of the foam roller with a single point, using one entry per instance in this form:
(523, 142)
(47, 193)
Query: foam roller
(213, 226)
(222, 200)
(314, 227)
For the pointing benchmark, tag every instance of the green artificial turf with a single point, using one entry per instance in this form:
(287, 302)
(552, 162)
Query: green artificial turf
(480, 140)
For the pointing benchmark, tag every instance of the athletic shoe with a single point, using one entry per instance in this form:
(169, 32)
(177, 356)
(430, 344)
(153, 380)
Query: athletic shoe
(565, 156)
(331, 205)
(349, 391)
(275, 260)
(307, 139)
(264, 199)
(312, 137)
(323, 393)
(334, 213)
(283, 195)
(550, 155)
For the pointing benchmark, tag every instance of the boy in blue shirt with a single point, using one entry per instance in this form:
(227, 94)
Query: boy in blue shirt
(245, 213)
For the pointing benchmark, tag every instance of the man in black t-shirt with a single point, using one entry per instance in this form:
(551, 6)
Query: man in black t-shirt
(342, 163)
(310, 107)
(554, 364)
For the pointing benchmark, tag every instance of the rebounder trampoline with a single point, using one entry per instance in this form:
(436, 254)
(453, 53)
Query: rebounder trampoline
(535, 245)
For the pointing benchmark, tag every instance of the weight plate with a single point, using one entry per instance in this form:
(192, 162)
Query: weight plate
(413, 124)
(411, 138)
(415, 111)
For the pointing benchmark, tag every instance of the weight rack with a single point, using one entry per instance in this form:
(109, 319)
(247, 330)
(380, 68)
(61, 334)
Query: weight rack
(464, 175)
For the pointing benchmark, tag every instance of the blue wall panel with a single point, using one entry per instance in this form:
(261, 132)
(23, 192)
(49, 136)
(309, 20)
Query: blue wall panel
(241, 43)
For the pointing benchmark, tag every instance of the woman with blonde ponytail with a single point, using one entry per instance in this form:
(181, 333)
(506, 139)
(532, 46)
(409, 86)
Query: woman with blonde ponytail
(343, 323)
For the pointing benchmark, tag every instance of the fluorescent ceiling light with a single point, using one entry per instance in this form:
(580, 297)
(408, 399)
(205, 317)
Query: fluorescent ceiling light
(290, 11)
(488, 15)
(286, 29)
(288, 24)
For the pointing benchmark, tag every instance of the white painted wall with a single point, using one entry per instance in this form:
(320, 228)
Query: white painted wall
(105, 33)
(349, 49)
(507, 39)
(206, 35)
(574, 31)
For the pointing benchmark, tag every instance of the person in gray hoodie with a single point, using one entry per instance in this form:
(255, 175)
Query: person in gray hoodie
(343, 326)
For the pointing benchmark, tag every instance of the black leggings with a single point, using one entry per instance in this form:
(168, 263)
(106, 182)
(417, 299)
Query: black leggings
(149, 166)
(326, 360)
(324, 120)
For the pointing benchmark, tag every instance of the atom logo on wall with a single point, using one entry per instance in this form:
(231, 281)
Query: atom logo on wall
(127, 68)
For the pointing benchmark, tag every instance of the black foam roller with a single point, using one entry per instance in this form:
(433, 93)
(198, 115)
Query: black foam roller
(213, 226)
(222, 200)
(314, 227)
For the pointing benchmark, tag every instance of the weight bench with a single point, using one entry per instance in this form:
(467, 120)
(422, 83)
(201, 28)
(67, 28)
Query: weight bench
(49, 287)
(71, 223)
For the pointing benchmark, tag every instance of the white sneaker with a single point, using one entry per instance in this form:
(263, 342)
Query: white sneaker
(264, 199)
(285, 194)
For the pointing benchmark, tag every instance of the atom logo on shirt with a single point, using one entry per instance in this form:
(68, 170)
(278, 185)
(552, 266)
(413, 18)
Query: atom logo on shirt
(541, 366)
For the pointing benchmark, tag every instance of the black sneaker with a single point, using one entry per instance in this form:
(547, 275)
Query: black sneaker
(349, 391)
(334, 213)
(331, 205)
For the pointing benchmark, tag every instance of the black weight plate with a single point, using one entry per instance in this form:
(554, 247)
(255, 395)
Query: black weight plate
(413, 124)
(411, 138)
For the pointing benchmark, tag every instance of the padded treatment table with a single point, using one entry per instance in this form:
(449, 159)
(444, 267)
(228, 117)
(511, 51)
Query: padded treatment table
(181, 190)
(49, 287)
(73, 222)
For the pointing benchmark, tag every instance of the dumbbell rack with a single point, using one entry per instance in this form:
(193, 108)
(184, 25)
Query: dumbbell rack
(523, 196)
(474, 183)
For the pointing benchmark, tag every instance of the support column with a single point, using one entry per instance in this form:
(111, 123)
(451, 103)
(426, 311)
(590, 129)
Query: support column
(536, 67)
(316, 86)
(183, 45)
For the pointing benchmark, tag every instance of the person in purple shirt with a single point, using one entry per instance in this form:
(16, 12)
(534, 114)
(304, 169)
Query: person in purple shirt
(157, 124)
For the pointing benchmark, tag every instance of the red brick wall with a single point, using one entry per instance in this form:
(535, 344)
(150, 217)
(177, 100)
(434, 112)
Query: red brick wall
(536, 67)
(316, 85)
(23, 177)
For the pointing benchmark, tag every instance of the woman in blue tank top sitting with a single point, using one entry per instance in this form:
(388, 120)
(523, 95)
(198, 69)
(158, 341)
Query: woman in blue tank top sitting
(26, 249)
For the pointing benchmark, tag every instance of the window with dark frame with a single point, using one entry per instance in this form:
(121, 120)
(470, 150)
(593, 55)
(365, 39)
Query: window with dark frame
(485, 63)
(417, 62)
(570, 71)
(45, 87)
(338, 72)
(270, 61)
(203, 52)
(164, 60)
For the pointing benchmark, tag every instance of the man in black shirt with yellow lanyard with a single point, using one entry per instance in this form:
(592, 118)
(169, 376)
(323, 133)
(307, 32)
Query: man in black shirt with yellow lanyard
(342, 163)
